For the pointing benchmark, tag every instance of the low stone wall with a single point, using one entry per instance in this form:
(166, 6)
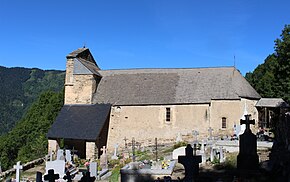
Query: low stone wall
(26, 166)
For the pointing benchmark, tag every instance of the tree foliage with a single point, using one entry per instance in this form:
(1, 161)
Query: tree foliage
(271, 79)
(20, 87)
(27, 140)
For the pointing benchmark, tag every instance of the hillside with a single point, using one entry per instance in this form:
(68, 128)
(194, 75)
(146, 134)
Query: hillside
(20, 87)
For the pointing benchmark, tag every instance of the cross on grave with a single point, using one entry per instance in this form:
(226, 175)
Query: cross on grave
(248, 158)
(125, 139)
(156, 151)
(68, 177)
(195, 133)
(51, 177)
(104, 150)
(190, 163)
(87, 177)
(17, 167)
(210, 130)
(133, 149)
(247, 122)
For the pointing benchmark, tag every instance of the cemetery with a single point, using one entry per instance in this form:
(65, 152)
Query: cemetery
(189, 158)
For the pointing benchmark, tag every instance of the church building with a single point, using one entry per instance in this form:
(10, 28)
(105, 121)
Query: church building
(104, 107)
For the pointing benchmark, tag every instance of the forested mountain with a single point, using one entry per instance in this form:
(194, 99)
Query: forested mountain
(272, 78)
(27, 140)
(19, 87)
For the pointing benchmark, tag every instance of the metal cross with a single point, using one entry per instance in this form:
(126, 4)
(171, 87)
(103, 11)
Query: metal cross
(247, 122)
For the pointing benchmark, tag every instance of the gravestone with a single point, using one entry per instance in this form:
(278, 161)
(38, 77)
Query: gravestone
(178, 152)
(38, 176)
(104, 158)
(67, 177)
(210, 130)
(115, 152)
(221, 154)
(58, 166)
(126, 145)
(68, 156)
(87, 177)
(50, 176)
(94, 169)
(59, 155)
(195, 134)
(179, 138)
(248, 158)
(17, 167)
(190, 163)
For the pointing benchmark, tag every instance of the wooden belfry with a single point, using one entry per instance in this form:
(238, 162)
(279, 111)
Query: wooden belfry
(248, 158)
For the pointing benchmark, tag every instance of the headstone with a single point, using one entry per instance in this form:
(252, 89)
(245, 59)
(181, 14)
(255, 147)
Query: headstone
(104, 158)
(133, 149)
(17, 167)
(248, 158)
(210, 130)
(87, 177)
(190, 163)
(195, 134)
(178, 152)
(126, 145)
(67, 177)
(212, 155)
(38, 176)
(50, 176)
(202, 151)
(68, 156)
(59, 155)
(50, 156)
(221, 154)
(115, 152)
(179, 138)
(58, 166)
(94, 169)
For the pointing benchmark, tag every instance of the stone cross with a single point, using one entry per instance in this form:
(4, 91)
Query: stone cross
(195, 133)
(210, 133)
(115, 152)
(248, 158)
(156, 151)
(125, 139)
(190, 163)
(68, 177)
(104, 150)
(51, 177)
(133, 149)
(17, 167)
(87, 177)
(247, 122)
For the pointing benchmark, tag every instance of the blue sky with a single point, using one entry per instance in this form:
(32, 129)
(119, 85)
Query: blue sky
(141, 33)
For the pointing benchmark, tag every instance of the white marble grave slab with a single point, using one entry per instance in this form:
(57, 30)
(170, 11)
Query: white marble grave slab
(58, 166)
(59, 155)
(93, 169)
(68, 156)
(178, 152)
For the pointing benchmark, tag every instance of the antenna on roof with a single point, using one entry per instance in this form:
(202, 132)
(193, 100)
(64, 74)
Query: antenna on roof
(84, 45)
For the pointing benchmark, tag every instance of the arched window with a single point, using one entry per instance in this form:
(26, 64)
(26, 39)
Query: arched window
(224, 122)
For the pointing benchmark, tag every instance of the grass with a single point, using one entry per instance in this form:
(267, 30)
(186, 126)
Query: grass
(115, 174)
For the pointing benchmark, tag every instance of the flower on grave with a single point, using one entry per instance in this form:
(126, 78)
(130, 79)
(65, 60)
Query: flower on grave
(165, 164)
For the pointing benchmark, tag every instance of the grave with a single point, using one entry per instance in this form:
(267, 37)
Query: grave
(59, 155)
(87, 177)
(104, 158)
(50, 176)
(190, 163)
(248, 158)
(67, 177)
(68, 156)
(17, 167)
(94, 169)
(38, 176)
(58, 166)
(115, 152)
(133, 171)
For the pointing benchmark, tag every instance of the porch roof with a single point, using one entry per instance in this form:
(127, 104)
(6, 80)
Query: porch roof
(272, 102)
(83, 122)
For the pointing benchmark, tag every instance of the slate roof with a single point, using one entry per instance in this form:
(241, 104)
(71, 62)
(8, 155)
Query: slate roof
(172, 86)
(80, 122)
(271, 102)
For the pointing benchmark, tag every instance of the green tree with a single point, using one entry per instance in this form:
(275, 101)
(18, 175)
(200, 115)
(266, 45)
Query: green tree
(27, 140)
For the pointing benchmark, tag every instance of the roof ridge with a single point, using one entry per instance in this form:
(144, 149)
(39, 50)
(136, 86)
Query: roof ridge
(132, 69)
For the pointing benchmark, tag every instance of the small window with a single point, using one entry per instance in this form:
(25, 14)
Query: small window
(224, 122)
(167, 114)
